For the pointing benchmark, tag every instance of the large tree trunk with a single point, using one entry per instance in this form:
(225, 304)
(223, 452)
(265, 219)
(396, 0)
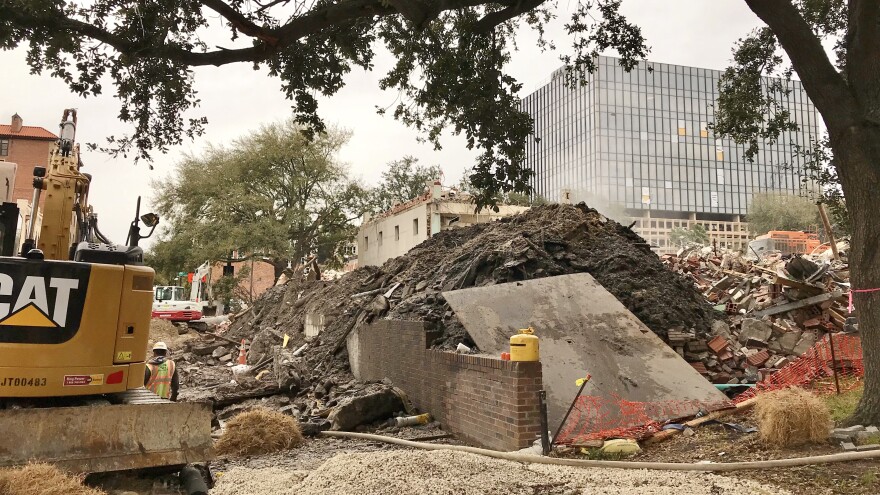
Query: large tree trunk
(857, 151)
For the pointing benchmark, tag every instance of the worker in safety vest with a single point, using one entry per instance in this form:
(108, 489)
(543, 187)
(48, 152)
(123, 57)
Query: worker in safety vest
(160, 375)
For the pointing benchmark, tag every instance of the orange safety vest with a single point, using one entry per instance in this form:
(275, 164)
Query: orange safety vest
(160, 378)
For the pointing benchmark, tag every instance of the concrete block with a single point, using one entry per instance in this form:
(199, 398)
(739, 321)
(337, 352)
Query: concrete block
(848, 446)
(789, 340)
(807, 341)
(842, 437)
(755, 330)
(872, 429)
(850, 429)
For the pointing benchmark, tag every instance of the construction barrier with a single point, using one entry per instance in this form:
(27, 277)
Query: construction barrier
(594, 418)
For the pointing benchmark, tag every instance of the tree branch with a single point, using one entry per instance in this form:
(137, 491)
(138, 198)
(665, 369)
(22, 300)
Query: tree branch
(240, 22)
(492, 19)
(313, 22)
(825, 86)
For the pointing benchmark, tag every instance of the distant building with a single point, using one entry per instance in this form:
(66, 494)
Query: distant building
(640, 143)
(403, 227)
(25, 147)
(28, 147)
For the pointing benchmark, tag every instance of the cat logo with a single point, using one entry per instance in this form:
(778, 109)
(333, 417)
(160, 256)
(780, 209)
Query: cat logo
(41, 303)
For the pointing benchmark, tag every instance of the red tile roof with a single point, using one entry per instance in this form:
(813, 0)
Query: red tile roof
(27, 131)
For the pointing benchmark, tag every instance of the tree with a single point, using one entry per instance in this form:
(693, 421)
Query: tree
(681, 236)
(846, 93)
(404, 180)
(451, 56)
(781, 211)
(273, 193)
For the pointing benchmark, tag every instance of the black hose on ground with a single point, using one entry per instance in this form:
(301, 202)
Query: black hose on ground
(192, 482)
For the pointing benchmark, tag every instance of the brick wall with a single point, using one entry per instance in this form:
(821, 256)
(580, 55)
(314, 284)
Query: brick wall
(27, 153)
(264, 275)
(487, 401)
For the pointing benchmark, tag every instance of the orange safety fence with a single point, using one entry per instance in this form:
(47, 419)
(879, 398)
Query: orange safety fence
(597, 418)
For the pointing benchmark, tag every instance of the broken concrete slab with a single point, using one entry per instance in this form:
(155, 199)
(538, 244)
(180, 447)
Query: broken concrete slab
(582, 329)
(808, 339)
(755, 330)
(356, 411)
(789, 340)
(848, 446)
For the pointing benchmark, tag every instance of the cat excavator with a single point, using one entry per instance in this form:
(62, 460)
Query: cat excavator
(74, 323)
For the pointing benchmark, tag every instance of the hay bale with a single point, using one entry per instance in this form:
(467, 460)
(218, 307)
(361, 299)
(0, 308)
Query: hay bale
(42, 479)
(259, 431)
(791, 417)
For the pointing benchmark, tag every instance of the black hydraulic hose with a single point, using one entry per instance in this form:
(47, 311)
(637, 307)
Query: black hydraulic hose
(101, 237)
(192, 481)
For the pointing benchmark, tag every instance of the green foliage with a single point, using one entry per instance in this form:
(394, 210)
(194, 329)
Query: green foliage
(404, 180)
(697, 234)
(450, 70)
(510, 198)
(823, 175)
(273, 192)
(781, 211)
(842, 406)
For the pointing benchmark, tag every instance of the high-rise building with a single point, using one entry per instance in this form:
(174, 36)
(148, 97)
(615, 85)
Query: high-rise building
(640, 143)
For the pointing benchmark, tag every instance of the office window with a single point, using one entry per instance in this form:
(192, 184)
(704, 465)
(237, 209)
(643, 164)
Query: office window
(704, 129)
(380, 238)
(4, 147)
(682, 129)
(415, 226)
(366, 243)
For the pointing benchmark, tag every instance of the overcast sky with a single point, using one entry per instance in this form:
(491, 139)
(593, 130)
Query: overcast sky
(236, 99)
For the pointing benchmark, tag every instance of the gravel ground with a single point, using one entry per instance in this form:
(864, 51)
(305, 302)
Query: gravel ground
(445, 472)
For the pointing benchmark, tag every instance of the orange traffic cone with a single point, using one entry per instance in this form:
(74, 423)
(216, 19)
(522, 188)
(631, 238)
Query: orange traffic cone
(242, 355)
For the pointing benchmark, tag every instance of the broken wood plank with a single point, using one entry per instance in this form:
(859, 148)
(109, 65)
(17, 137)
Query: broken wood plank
(665, 434)
(782, 308)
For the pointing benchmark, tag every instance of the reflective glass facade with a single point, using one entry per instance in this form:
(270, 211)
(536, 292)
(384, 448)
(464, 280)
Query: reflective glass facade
(641, 140)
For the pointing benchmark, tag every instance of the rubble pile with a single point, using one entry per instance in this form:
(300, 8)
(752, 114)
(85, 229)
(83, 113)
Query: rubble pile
(309, 377)
(777, 309)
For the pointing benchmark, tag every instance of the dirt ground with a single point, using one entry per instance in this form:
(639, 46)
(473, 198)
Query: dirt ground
(718, 443)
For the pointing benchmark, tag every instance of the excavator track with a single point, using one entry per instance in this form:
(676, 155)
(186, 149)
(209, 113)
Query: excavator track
(130, 430)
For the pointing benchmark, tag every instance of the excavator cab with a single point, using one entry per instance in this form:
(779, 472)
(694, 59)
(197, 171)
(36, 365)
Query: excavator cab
(74, 323)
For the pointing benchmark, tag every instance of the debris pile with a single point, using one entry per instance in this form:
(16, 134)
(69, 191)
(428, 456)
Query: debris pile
(296, 332)
(777, 309)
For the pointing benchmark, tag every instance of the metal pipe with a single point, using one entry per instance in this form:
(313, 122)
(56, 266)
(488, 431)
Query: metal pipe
(567, 413)
(35, 208)
(545, 439)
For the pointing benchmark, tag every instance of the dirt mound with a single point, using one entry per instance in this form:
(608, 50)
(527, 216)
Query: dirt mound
(259, 431)
(165, 331)
(42, 479)
(546, 241)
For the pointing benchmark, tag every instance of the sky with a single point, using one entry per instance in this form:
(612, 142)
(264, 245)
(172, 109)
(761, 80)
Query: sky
(236, 100)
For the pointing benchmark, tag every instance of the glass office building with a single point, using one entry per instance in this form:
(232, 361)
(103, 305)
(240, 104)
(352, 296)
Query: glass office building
(641, 141)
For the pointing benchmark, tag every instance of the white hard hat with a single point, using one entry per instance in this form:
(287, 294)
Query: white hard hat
(160, 346)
